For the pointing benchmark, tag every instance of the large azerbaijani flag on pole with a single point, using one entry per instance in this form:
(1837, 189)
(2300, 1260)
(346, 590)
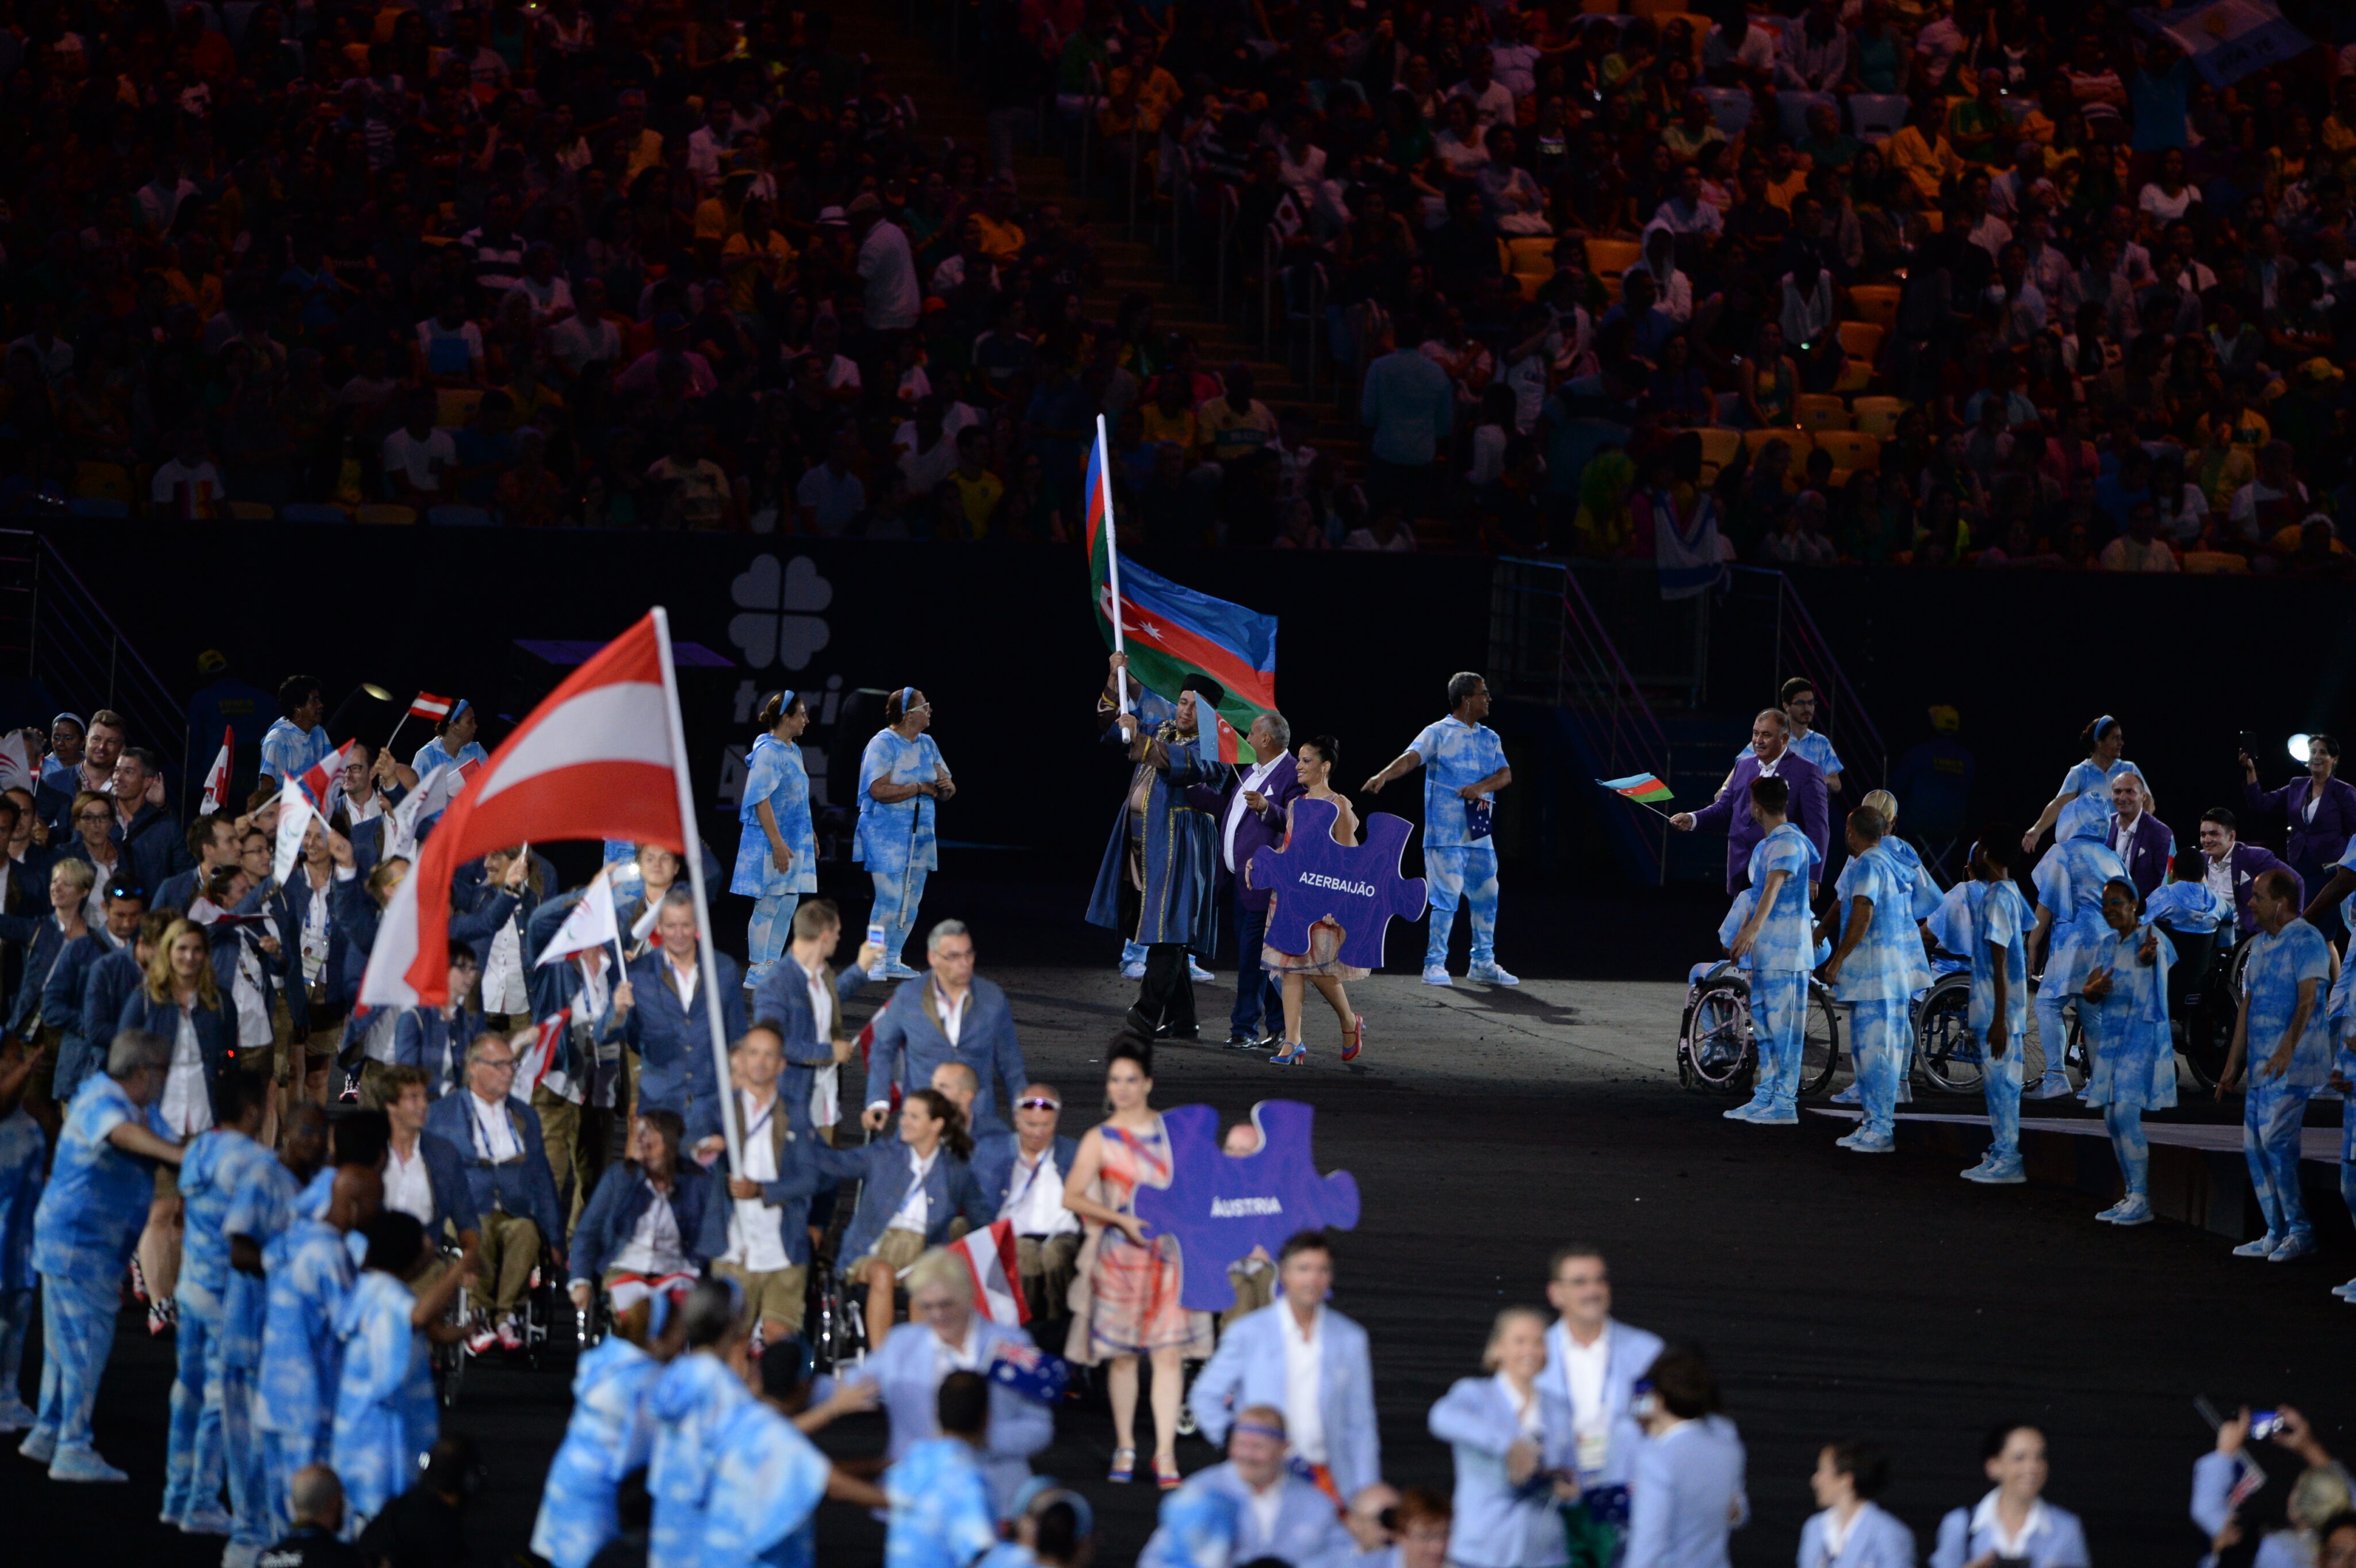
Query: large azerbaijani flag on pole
(1170, 631)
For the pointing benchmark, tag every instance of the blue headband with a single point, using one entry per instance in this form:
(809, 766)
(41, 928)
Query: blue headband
(907, 695)
(2103, 724)
(456, 708)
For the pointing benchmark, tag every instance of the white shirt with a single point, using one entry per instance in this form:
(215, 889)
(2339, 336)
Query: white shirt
(681, 980)
(2123, 831)
(1583, 1367)
(654, 1245)
(1984, 1517)
(253, 1014)
(1304, 1352)
(1253, 781)
(407, 1187)
(965, 1355)
(753, 1243)
(1264, 1504)
(188, 1104)
(495, 1134)
(952, 1012)
(915, 1209)
(1035, 1201)
(822, 1001)
(503, 987)
(1838, 1530)
(2217, 876)
(890, 271)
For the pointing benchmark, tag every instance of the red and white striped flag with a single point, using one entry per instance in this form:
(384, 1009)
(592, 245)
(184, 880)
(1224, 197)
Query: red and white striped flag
(532, 1064)
(433, 709)
(16, 770)
(314, 794)
(216, 796)
(997, 1288)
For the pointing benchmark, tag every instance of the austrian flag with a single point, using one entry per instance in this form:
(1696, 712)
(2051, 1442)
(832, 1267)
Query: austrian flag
(431, 708)
(991, 1255)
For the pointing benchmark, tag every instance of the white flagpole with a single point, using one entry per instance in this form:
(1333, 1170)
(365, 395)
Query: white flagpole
(1112, 553)
(691, 850)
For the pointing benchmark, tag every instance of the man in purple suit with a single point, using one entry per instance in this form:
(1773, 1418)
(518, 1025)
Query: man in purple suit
(2234, 866)
(1251, 809)
(1771, 757)
(2138, 837)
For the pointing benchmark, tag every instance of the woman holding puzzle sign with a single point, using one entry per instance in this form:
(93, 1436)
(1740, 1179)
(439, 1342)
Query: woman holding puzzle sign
(1322, 965)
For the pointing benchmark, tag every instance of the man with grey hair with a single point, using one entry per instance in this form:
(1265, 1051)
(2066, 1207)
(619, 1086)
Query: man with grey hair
(1771, 757)
(508, 1180)
(950, 1016)
(1251, 809)
(1464, 767)
(90, 1217)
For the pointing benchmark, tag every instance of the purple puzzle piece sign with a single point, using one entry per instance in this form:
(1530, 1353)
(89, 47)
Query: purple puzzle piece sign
(1221, 1206)
(1357, 886)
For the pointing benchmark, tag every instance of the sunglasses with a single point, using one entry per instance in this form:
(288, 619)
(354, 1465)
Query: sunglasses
(1038, 1105)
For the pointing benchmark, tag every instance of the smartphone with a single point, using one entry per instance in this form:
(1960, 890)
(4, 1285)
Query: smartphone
(2264, 1423)
(2247, 740)
(875, 936)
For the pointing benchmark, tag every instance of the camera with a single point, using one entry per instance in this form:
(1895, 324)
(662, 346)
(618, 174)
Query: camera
(2264, 1423)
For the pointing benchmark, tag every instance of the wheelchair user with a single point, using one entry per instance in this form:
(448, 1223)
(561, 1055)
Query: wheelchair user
(641, 1234)
(514, 1191)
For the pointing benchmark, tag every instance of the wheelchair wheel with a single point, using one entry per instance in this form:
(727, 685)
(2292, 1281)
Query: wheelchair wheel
(833, 1320)
(1949, 1059)
(2209, 1017)
(1715, 1053)
(1820, 1047)
(449, 1361)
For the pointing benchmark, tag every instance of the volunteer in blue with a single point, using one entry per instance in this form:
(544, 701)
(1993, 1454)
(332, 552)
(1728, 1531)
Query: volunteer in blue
(902, 781)
(90, 1215)
(2105, 745)
(2130, 1055)
(2282, 1038)
(1877, 969)
(1780, 941)
(777, 854)
(296, 741)
(2068, 882)
(1998, 1015)
(454, 741)
(1464, 767)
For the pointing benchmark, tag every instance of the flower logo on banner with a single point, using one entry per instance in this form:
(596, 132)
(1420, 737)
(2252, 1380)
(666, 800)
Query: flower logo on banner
(780, 623)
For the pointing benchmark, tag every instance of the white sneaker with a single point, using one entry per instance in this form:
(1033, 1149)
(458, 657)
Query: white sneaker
(38, 1446)
(2263, 1247)
(2051, 1087)
(2346, 1292)
(1435, 974)
(2297, 1245)
(1200, 975)
(2002, 1173)
(1852, 1095)
(82, 1464)
(240, 1556)
(2135, 1210)
(205, 1521)
(15, 1415)
(1491, 973)
(1133, 971)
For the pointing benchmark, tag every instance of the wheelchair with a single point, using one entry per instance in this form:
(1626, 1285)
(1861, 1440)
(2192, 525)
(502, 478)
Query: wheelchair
(1948, 1057)
(2204, 1000)
(545, 1304)
(834, 1317)
(1716, 1053)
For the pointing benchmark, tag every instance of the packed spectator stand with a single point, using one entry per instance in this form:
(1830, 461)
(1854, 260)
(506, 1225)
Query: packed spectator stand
(1867, 283)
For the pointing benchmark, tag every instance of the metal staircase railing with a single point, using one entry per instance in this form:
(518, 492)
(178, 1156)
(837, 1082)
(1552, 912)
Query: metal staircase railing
(1800, 648)
(53, 629)
(1547, 644)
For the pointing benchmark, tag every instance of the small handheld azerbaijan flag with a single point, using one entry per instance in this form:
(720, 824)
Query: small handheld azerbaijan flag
(1639, 787)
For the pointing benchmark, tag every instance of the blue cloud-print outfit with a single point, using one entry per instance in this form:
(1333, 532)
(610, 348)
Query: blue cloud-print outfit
(385, 1414)
(2069, 882)
(1459, 868)
(216, 1165)
(262, 1207)
(1781, 956)
(766, 1480)
(1878, 980)
(2131, 1057)
(1999, 943)
(288, 752)
(87, 1221)
(2275, 1105)
(2088, 781)
(895, 840)
(609, 1434)
(23, 1151)
(941, 1516)
(310, 1272)
(691, 1402)
(773, 772)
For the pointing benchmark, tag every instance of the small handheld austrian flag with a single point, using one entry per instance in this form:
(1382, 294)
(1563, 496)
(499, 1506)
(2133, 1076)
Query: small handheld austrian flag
(1639, 787)
(990, 1252)
(216, 796)
(428, 707)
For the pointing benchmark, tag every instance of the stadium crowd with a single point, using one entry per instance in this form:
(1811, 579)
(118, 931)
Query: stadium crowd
(1867, 281)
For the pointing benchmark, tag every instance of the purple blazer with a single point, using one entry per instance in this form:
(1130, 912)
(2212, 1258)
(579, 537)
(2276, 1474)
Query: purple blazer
(2251, 862)
(1254, 831)
(2312, 845)
(2149, 847)
(1731, 812)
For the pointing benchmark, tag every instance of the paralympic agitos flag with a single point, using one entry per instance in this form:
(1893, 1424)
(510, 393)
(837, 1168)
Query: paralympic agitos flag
(1170, 631)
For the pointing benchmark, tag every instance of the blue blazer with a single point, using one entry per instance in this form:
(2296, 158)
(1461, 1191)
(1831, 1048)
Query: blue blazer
(1495, 1525)
(1877, 1539)
(1308, 1533)
(673, 1043)
(1685, 1497)
(1633, 1352)
(524, 1188)
(153, 845)
(1248, 1369)
(289, 906)
(44, 941)
(454, 1199)
(790, 1144)
(61, 994)
(2309, 845)
(356, 916)
(179, 891)
(556, 986)
(908, 1045)
(882, 1172)
(111, 980)
(216, 1028)
(994, 1164)
(907, 1369)
(471, 895)
(227, 945)
(783, 1001)
(2056, 1541)
(422, 1036)
(621, 1200)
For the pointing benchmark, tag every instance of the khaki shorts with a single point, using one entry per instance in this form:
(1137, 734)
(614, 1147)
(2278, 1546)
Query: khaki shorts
(897, 1248)
(167, 1179)
(775, 1296)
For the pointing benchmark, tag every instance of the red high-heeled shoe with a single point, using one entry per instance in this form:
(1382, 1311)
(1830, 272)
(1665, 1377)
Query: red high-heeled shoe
(1356, 1039)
